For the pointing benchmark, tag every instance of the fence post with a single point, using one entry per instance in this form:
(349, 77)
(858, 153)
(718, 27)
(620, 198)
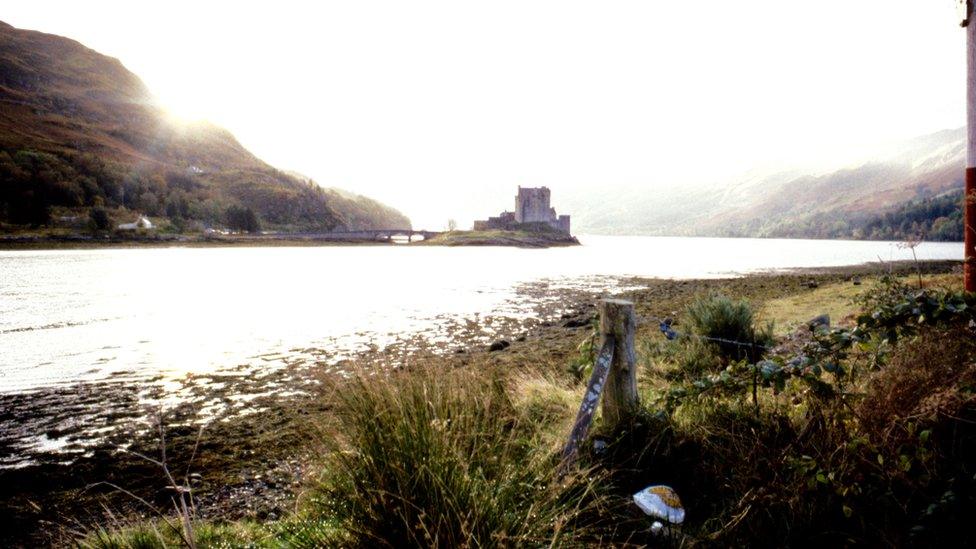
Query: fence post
(617, 320)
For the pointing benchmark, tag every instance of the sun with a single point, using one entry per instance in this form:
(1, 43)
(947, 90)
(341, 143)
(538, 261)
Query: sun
(183, 107)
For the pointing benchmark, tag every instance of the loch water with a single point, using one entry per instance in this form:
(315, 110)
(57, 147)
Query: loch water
(73, 316)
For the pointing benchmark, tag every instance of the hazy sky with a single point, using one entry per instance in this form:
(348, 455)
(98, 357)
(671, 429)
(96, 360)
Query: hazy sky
(441, 108)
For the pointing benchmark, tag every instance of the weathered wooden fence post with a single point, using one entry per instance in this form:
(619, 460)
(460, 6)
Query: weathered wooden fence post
(617, 320)
(614, 376)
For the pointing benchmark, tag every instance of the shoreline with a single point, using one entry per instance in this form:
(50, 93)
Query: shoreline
(79, 242)
(256, 464)
(518, 239)
(11, 244)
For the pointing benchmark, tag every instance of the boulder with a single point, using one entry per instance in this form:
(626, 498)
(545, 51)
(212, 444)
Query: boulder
(822, 321)
(576, 322)
(499, 345)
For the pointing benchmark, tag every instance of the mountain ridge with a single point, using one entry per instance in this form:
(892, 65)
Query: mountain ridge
(831, 203)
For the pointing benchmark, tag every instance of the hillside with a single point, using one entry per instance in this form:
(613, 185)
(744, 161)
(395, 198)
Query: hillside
(847, 202)
(78, 130)
(915, 188)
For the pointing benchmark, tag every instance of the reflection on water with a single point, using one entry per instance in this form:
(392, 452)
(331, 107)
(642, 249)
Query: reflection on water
(135, 314)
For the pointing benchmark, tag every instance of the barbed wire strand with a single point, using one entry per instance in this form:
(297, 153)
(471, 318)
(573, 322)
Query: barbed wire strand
(665, 325)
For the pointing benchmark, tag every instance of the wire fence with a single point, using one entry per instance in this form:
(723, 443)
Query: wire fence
(667, 329)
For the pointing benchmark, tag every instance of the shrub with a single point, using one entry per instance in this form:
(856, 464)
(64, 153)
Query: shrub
(730, 325)
(242, 219)
(928, 378)
(99, 219)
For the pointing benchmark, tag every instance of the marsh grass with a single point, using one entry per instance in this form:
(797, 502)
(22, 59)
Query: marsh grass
(451, 459)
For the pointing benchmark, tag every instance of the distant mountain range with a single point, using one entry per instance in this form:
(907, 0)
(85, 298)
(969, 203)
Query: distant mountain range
(79, 131)
(916, 189)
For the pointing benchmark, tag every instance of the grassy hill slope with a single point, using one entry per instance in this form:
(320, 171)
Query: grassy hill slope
(78, 130)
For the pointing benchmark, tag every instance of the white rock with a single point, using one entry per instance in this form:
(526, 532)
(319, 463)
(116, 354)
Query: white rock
(661, 502)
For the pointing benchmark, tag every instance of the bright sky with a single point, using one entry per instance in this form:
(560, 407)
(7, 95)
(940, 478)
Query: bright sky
(441, 108)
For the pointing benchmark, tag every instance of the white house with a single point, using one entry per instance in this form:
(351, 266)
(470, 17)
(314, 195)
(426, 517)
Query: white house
(141, 223)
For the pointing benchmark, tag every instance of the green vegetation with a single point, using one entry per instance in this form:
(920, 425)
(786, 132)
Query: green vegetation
(856, 435)
(152, 535)
(242, 220)
(34, 185)
(99, 219)
(818, 444)
(729, 325)
(936, 218)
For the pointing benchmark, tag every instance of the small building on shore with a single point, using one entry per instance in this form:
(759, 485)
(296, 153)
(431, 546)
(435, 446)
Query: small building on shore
(532, 206)
(141, 223)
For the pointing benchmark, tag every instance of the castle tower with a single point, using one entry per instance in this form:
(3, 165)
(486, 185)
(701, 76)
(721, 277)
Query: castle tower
(532, 206)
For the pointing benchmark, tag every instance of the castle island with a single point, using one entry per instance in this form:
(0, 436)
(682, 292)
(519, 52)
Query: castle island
(531, 207)
(533, 224)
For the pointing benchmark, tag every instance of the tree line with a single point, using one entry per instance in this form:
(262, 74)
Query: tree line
(938, 218)
(33, 184)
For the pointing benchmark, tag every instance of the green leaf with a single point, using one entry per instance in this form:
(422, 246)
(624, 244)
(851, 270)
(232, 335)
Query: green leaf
(848, 512)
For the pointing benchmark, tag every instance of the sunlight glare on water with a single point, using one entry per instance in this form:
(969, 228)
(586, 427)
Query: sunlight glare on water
(84, 315)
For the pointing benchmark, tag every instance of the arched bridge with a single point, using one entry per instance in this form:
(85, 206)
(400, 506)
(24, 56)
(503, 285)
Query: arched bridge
(382, 234)
(373, 235)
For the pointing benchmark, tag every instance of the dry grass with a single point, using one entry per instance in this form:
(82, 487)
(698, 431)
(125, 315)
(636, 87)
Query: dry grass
(457, 458)
(549, 401)
(930, 380)
(789, 313)
(837, 300)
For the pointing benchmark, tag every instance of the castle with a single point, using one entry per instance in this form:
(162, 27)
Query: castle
(531, 206)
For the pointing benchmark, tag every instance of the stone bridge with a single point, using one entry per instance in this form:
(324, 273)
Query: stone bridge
(384, 235)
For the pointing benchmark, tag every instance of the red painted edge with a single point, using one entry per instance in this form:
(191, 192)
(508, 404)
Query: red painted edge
(969, 228)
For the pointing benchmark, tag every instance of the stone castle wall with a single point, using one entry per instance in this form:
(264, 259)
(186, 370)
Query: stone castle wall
(532, 206)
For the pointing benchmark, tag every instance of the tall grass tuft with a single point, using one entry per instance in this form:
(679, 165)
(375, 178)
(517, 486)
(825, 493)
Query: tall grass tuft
(435, 458)
(154, 535)
(731, 325)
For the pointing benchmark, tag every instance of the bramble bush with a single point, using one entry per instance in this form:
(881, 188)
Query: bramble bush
(865, 435)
